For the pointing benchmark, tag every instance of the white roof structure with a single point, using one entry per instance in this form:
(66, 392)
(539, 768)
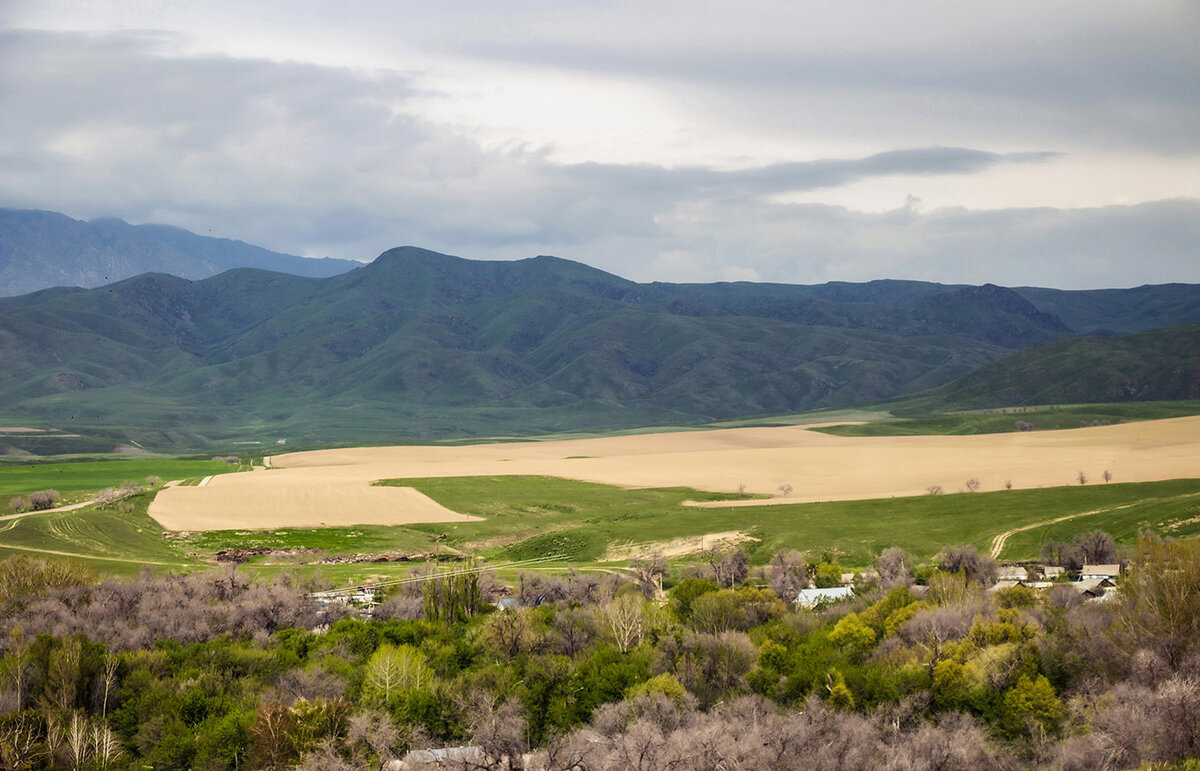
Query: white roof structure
(810, 597)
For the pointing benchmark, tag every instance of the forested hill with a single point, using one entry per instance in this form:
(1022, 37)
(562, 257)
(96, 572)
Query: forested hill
(1156, 365)
(422, 344)
(42, 249)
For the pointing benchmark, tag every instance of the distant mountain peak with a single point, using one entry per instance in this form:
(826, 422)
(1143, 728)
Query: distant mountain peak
(43, 249)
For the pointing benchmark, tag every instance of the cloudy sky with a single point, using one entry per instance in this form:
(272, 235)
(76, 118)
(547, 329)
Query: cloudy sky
(1019, 142)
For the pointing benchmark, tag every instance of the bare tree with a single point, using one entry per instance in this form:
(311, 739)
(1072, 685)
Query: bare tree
(43, 499)
(894, 567)
(498, 730)
(509, 633)
(934, 490)
(787, 574)
(1107, 476)
(624, 617)
(1096, 547)
(785, 489)
(649, 569)
(973, 484)
(730, 567)
(1024, 425)
(1007, 484)
(575, 629)
(1082, 477)
(967, 560)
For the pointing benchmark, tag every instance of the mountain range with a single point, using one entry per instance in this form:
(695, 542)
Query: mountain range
(420, 344)
(42, 249)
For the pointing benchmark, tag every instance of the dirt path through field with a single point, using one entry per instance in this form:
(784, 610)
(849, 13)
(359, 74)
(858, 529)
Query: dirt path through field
(71, 507)
(333, 486)
(999, 541)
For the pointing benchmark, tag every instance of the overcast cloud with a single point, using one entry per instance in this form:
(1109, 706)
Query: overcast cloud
(767, 141)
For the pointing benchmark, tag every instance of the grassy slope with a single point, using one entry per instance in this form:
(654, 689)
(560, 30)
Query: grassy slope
(121, 542)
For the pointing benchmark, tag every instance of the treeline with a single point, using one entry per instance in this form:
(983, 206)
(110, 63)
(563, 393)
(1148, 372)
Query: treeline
(591, 671)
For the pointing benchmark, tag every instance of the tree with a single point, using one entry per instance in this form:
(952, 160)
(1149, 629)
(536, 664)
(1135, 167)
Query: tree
(624, 617)
(1082, 477)
(787, 574)
(393, 669)
(1096, 547)
(271, 745)
(686, 592)
(973, 484)
(720, 611)
(43, 499)
(967, 560)
(649, 569)
(729, 566)
(853, 635)
(1032, 706)
(1158, 606)
(1107, 476)
(934, 490)
(509, 633)
(894, 567)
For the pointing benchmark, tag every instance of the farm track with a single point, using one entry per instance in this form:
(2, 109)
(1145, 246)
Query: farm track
(71, 507)
(998, 541)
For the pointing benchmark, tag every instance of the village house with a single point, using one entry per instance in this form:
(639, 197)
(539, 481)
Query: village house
(1100, 571)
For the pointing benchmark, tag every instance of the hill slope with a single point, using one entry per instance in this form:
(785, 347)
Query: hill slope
(41, 249)
(422, 344)
(1156, 365)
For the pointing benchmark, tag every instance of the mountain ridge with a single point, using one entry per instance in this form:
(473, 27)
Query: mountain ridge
(42, 249)
(418, 343)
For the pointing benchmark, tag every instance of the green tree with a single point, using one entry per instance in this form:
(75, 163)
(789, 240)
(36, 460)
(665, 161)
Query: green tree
(854, 636)
(392, 670)
(1031, 706)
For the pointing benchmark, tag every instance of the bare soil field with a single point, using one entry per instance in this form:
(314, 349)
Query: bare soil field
(332, 486)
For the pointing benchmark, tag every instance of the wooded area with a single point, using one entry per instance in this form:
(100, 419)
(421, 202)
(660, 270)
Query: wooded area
(214, 671)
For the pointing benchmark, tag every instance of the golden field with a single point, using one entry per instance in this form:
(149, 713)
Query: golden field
(332, 487)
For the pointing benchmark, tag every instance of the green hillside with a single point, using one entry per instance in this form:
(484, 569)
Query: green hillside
(1157, 365)
(419, 344)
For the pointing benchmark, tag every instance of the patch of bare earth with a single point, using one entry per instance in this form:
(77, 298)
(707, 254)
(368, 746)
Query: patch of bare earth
(676, 547)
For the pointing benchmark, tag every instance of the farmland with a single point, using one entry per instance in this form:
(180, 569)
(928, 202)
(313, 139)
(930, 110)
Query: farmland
(487, 501)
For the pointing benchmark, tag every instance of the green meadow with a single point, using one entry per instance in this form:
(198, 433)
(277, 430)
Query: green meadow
(77, 479)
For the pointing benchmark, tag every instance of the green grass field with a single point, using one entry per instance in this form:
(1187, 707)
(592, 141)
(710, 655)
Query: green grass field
(76, 479)
(1000, 421)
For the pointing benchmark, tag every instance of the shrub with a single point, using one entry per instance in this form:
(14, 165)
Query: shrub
(43, 499)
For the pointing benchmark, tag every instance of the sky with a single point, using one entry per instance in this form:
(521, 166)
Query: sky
(802, 141)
